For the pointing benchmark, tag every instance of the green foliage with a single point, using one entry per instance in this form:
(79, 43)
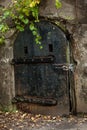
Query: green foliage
(36, 34)
(21, 12)
(2, 39)
(3, 27)
(58, 4)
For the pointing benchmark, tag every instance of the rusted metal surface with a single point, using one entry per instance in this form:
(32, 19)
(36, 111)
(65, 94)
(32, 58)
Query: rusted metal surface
(44, 73)
(36, 100)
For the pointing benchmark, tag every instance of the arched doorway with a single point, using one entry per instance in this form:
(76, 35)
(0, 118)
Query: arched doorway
(42, 75)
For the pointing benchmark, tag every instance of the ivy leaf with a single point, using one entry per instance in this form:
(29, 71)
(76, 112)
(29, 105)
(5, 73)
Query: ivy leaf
(20, 28)
(21, 16)
(32, 4)
(3, 27)
(25, 11)
(34, 33)
(58, 4)
(32, 27)
(2, 40)
(35, 12)
(25, 21)
(6, 14)
(41, 47)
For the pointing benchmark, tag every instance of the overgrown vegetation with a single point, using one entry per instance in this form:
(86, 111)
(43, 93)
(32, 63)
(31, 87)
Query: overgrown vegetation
(22, 13)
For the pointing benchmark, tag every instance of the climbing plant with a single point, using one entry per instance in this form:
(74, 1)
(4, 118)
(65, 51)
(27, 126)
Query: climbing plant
(22, 13)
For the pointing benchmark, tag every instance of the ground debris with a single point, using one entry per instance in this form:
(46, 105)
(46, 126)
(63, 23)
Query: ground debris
(26, 121)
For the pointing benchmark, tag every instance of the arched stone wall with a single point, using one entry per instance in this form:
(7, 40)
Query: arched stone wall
(73, 16)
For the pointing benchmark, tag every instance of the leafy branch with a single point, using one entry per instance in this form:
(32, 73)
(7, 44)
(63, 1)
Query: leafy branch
(20, 12)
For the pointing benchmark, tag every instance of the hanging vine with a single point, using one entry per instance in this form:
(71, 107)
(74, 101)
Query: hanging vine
(20, 12)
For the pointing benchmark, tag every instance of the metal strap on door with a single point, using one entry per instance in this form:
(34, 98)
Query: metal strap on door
(38, 59)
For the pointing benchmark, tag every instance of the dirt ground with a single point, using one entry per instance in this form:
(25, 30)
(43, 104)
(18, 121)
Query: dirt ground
(26, 121)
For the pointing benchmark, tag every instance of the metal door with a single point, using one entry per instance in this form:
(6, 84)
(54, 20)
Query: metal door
(41, 75)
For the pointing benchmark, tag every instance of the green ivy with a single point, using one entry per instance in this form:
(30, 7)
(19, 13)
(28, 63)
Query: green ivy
(58, 4)
(21, 11)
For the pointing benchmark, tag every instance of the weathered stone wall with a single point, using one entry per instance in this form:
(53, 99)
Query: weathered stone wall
(7, 89)
(74, 12)
(80, 56)
(7, 81)
(6, 76)
(73, 16)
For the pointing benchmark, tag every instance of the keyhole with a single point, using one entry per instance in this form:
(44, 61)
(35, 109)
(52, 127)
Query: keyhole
(26, 50)
(50, 48)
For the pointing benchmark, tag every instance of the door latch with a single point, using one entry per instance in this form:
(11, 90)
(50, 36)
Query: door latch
(65, 67)
(68, 67)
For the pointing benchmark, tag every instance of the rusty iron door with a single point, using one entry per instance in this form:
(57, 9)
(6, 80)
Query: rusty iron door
(41, 75)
